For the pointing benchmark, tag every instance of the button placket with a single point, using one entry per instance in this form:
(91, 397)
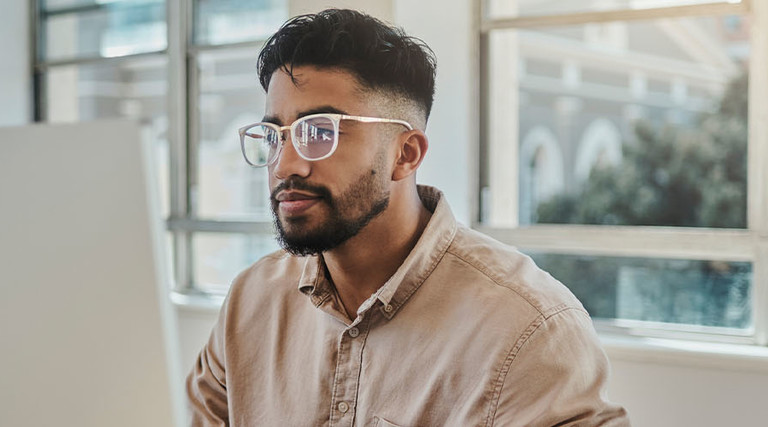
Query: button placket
(348, 370)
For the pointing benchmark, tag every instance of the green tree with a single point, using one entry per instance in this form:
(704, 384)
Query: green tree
(691, 176)
(680, 176)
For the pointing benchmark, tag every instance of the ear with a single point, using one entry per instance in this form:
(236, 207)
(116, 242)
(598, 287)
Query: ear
(412, 146)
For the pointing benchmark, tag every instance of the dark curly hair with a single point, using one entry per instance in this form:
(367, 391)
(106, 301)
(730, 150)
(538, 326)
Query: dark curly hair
(382, 57)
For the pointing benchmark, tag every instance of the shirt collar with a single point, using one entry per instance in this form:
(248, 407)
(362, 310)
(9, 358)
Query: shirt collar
(418, 265)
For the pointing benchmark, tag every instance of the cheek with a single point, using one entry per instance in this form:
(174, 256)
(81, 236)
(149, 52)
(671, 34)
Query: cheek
(272, 180)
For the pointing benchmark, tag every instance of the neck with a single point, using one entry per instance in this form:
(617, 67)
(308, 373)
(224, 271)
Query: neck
(362, 264)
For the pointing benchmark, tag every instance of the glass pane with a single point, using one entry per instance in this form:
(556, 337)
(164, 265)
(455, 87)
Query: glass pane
(627, 123)
(218, 258)
(230, 97)
(132, 89)
(512, 8)
(57, 5)
(689, 292)
(113, 29)
(231, 21)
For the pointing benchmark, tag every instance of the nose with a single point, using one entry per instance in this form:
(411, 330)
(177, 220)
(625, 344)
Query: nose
(289, 162)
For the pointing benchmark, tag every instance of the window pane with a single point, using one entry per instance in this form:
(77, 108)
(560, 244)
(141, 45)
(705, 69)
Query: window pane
(230, 97)
(112, 29)
(689, 292)
(508, 9)
(629, 123)
(54, 5)
(230, 21)
(218, 258)
(131, 88)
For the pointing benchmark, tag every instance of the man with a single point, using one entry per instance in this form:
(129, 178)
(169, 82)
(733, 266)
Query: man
(381, 309)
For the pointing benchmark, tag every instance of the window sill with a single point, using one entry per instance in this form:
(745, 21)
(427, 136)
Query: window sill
(197, 302)
(738, 357)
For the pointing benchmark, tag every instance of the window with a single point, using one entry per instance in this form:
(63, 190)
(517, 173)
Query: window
(186, 69)
(99, 59)
(622, 150)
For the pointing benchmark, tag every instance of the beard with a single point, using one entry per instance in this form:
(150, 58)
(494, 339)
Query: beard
(348, 213)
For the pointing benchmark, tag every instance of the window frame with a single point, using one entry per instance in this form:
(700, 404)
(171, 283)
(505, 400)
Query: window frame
(181, 54)
(749, 244)
(183, 221)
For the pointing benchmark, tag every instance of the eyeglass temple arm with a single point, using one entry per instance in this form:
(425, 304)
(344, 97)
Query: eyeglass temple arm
(244, 130)
(377, 120)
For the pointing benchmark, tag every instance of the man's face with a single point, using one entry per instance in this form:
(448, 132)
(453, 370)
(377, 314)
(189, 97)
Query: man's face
(320, 205)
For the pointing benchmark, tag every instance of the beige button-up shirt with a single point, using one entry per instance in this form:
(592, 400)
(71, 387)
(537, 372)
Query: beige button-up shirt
(467, 332)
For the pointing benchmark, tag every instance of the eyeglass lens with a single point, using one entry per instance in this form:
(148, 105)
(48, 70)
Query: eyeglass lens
(313, 136)
(260, 144)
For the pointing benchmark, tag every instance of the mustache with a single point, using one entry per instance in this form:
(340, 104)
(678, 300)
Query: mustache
(296, 183)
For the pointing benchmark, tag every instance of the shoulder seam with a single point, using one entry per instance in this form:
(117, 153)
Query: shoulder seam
(493, 279)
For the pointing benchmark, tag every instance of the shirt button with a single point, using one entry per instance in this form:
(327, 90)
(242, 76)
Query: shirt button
(388, 308)
(343, 407)
(354, 332)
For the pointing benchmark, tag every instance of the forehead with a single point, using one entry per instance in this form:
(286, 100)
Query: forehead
(313, 88)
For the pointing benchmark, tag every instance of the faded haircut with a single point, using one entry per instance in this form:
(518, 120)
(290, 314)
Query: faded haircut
(382, 57)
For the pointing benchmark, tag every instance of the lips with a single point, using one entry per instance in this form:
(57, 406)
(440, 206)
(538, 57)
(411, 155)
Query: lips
(290, 196)
(296, 202)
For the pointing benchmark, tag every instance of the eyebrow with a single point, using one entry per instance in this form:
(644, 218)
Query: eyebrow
(316, 110)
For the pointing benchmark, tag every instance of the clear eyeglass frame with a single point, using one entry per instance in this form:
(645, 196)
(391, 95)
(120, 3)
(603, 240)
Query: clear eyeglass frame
(275, 140)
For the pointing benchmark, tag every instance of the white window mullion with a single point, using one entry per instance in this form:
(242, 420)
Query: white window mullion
(760, 295)
(503, 104)
(178, 38)
(758, 164)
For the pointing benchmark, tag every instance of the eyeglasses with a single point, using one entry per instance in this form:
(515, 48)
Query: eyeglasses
(315, 137)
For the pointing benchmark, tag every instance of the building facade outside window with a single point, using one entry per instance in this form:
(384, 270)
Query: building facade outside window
(653, 217)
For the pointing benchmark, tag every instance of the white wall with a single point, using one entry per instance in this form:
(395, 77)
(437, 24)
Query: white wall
(194, 326)
(676, 395)
(447, 29)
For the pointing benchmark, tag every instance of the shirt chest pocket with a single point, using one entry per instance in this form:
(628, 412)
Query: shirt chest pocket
(381, 422)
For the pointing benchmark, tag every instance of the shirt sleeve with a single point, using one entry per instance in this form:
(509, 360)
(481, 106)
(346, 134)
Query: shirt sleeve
(556, 376)
(206, 383)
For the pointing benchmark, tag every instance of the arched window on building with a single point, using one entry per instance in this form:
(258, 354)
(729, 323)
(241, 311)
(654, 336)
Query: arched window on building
(600, 145)
(541, 171)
